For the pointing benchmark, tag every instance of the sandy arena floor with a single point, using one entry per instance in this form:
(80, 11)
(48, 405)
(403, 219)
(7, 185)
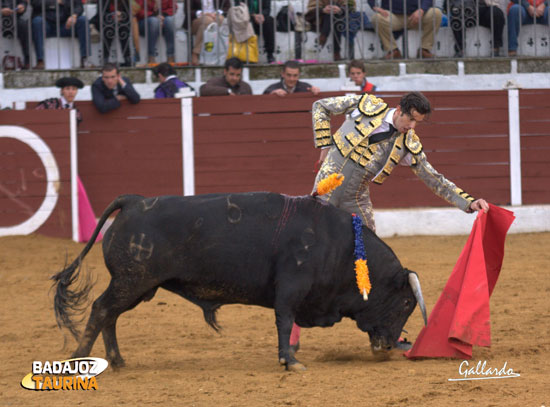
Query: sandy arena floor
(174, 358)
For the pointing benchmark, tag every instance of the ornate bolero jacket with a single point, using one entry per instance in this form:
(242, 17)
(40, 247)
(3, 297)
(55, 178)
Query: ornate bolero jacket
(352, 141)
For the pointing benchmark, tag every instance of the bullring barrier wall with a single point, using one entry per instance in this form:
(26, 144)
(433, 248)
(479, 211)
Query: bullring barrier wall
(251, 143)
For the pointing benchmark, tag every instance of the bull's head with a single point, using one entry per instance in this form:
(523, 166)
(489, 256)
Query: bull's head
(391, 302)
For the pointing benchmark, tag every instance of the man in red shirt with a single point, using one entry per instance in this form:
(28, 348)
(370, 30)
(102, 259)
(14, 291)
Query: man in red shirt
(357, 74)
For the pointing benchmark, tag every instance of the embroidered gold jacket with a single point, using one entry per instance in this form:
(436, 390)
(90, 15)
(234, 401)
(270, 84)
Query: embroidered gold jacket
(379, 159)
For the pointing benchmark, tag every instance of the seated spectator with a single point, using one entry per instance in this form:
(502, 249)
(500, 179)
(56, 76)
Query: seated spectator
(12, 14)
(65, 16)
(157, 19)
(410, 14)
(322, 15)
(203, 13)
(228, 84)
(290, 82)
(524, 13)
(263, 24)
(169, 82)
(115, 24)
(69, 88)
(463, 14)
(357, 74)
(111, 88)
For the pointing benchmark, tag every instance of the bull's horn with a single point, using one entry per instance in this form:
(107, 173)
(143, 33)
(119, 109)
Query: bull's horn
(415, 285)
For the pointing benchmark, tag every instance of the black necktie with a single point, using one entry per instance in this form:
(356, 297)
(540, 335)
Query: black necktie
(67, 106)
(382, 135)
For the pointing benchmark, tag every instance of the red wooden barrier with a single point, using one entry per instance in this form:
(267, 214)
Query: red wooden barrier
(25, 200)
(535, 145)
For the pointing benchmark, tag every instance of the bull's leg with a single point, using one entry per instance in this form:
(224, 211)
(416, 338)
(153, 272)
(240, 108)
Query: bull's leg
(111, 345)
(284, 319)
(109, 331)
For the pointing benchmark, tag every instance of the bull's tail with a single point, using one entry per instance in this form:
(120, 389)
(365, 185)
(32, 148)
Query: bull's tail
(68, 302)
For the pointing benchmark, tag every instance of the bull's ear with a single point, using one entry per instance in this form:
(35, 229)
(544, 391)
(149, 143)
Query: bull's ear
(401, 279)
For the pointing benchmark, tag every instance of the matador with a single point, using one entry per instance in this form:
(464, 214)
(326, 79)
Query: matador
(371, 142)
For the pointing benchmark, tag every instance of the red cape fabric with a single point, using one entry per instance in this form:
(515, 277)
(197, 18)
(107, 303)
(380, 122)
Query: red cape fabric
(461, 317)
(86, 218)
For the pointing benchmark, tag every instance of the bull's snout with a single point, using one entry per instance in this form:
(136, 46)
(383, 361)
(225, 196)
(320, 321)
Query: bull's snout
(380, 344)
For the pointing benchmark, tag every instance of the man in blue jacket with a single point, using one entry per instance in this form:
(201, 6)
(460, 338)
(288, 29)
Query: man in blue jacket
(111, 88)
(395, 15)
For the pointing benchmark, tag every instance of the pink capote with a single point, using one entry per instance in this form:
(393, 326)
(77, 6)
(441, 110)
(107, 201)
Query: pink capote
(86, 218)
(461, 317)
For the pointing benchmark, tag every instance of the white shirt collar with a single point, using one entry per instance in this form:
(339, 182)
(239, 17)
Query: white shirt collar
(64, 102)
(389, 117)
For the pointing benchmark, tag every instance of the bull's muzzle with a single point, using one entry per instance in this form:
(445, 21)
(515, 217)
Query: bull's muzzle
(380, 344)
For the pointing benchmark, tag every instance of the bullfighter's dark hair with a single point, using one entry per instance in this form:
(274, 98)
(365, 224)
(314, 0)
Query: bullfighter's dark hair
(109, 66)
(416, 101)
(234, 63)
(165, 69)
(291, 64)
(356, 63)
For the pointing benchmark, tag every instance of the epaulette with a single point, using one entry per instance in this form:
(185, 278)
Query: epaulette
(412, 142)
(370, 105)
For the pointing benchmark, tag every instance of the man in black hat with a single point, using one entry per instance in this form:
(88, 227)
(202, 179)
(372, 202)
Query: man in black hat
(69, 88)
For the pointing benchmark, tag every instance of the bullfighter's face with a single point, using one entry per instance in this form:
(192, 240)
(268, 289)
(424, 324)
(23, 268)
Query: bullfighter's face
(69, 93)
(404, 122)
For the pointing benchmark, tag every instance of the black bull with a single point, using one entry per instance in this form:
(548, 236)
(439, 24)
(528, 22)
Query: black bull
(293, 254)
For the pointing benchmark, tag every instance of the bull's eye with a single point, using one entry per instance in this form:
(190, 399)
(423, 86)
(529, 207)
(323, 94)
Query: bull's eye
(407, 303)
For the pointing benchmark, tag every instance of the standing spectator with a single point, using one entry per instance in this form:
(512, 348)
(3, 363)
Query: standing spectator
(522, 13)
(12, 15)
(169, 82)
(228, 84)
(409, 13)
(111, 88)
(160, 16)
(114, 24)
(203, 13)
(263, 24)
(463, 14)
(357, 74)
(290, 82)
(65, 16)
(325, 14)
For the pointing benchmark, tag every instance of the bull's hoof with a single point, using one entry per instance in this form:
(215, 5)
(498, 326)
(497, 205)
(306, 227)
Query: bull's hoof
(117, 363)
(296, 367)
(282, 361)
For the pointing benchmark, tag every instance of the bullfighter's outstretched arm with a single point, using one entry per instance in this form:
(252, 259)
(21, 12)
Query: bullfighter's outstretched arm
(321, 111)
(440, 185)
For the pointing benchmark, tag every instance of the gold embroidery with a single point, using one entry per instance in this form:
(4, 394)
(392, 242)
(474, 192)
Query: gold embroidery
(320, 134)
(412, 142)
(370, 105)
(322, 124)
(354, 138)
(342, 145)
(391, 162)
(365, 129)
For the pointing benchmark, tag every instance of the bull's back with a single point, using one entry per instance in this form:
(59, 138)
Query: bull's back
(225, 247)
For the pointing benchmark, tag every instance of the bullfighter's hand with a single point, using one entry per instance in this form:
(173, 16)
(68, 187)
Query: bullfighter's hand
(479, 204)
